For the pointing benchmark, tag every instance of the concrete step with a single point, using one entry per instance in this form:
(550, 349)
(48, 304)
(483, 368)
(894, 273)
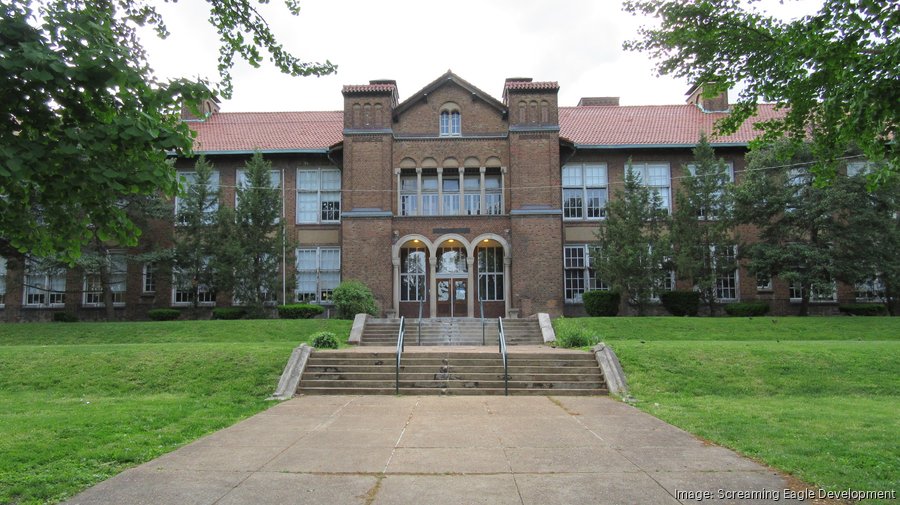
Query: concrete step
(453, 391)
(474, 376)
(458, 383)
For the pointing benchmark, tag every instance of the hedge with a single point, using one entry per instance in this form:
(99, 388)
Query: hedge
(229, 313)
(681, 303)
(601, 303)
(747, 309)
(65, 317)
(299, 311)
(863, 309)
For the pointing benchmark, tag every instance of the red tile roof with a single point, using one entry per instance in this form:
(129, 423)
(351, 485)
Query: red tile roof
(531, 85)
(368, 88)
(248, 131)
(651, 125)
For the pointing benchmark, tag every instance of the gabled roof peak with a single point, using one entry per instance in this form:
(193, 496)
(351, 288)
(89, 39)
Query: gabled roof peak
(445, 78)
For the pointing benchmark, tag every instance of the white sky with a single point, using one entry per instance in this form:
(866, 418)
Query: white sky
(575, 42)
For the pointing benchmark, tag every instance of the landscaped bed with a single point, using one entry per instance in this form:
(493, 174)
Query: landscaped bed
(81, 402)
(815, 397)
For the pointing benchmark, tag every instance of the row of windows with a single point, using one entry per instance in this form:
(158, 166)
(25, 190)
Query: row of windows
(451, 261)
(457, 194)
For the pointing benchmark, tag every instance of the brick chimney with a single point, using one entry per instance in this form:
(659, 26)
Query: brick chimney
(718, 103)
(207, 107)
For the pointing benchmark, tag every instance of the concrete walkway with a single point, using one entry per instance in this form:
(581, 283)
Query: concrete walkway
(338, 450)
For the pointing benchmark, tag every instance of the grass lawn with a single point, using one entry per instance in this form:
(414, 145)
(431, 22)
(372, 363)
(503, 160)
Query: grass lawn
(816, 397)
(81, 402)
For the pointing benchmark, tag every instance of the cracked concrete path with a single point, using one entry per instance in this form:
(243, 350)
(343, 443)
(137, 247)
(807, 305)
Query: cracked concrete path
(377, 450)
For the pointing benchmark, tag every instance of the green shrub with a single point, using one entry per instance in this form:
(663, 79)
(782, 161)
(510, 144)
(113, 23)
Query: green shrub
(353, 297)
(863, 309)
(163, 314)
(681, 303)
(324, 340)
(299, 311)
(65, 317)
(601, 303)
(747, 309)
(229, 313)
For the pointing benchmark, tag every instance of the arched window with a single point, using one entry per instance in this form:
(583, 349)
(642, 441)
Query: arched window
(450, 120)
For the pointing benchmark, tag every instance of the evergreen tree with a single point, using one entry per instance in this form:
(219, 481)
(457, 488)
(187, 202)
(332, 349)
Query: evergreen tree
(248, 256)
(633, 257)
(867, 230)
(702, 222)
(794, 219)
(196, 240)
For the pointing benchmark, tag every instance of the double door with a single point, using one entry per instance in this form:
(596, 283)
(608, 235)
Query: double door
(452, 297)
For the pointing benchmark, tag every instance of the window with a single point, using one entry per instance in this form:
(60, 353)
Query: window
(318, 195)
(467, 194)
(243, 182)
(727, 282)
(855, 168)
(450, 123)
(93, 286)
(412, 274)
(183, 290)
(2, 281)
(579, 276)
(657, 177)
(212, 202)
(318, 273)
(763, 282)
(871, 290)
(818, 294)
(149, 278)
(729, 171)
(490, 273)
(45, 286)
(452, 260)
(584, 191)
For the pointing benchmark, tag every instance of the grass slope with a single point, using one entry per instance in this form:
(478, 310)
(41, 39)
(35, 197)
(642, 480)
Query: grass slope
(816, 397)
(79, 403)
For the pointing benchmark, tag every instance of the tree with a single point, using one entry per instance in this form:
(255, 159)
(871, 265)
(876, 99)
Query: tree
(248, 255)
(701, 225)
(84, 121)
(196, 240)
(867, 231)
(794, 219)
(834, 73)
(634, 251)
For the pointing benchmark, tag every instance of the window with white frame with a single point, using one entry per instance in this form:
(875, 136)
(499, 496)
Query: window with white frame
(190, 185)
(450, 193)
(855, 168)
(183, 285)
(93, 285)
(816, 295)
(727, 282)
(579, 276)
(585, 190)
(2, 281)
(318, 273)
(871, 290)
(657, 177)
(729, 171)
(318, 195)
(45, 286)
(490, 273)
(450, 123)
(412, 274)
(148, 278)
(763, 282)
(243, 182)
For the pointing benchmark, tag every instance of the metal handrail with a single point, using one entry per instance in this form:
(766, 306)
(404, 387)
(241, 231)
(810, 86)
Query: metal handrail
(400, 346)
(481, 302)
(419, 334)
(504, 354)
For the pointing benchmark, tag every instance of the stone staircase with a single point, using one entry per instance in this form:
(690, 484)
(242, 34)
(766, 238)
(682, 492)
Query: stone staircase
(451, 331)
(450, 372)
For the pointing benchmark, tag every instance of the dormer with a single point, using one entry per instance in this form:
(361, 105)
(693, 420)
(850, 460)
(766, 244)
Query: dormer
(370, 106)
(206, 109)
(531, 104)
(715, 103)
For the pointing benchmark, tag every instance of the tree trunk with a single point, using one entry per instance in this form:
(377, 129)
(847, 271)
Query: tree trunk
(804, 301)
(107, 293)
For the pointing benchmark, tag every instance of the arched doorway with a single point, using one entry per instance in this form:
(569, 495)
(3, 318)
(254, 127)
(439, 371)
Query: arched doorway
(412, 279)
(490, 289)
(452, 287)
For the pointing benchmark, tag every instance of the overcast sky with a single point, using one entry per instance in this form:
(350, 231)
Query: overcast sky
(577, 43)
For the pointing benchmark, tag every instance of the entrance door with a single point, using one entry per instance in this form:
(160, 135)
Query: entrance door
(451, 297)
